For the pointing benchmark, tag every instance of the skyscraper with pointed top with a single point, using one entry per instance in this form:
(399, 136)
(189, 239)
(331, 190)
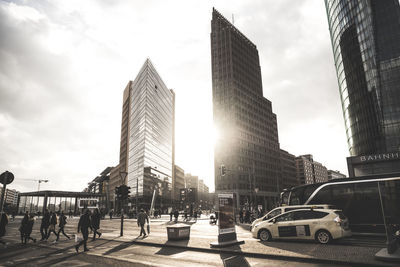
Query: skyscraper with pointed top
(248, 146)
(147, 148)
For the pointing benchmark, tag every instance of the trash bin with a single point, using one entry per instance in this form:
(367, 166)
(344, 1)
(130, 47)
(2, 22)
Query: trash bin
(178, 231)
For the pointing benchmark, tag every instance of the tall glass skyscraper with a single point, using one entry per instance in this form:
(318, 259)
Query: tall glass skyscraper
(248, 145)
(147, 134)
(365, 37)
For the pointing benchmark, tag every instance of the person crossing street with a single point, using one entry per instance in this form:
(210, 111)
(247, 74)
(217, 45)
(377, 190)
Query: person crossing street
(62, 222)
(45, 224)
(53, 223)
(96, 223)
(84, 225)
(141, 220)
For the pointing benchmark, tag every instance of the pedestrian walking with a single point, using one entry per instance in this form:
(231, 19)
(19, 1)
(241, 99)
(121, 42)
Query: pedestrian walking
(241, 216)
(23, 225)
(170, 216)
(52, 226)
(70, 213)
(3, 223)
(62, 222)
(45, 224)
(27, 230)
(195, 215)
(141, 220)
(247, 216)
(176, 215)
(84, 225)
(185, 215)
(96, 216)
(111, 214)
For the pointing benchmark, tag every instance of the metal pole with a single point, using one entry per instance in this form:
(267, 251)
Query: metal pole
(383, 214)
(137, 194)
(122, 222)
(3, 194)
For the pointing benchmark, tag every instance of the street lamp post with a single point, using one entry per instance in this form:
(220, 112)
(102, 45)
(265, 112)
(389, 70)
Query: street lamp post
(40, 181)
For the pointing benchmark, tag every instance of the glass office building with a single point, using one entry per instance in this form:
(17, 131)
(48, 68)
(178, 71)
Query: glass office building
(365, 39)
(248, 146)
(147, 135)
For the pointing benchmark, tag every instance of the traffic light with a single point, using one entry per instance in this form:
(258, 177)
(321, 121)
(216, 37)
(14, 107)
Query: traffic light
(118, 192)
(223, 170)
(124, 191)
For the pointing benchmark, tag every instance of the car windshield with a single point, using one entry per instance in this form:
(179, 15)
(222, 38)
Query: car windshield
(272, 214)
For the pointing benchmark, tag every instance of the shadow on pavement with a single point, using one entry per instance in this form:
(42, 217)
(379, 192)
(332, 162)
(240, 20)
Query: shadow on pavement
(183, 222)
(230, 260)
(244, 226)
(167, 251)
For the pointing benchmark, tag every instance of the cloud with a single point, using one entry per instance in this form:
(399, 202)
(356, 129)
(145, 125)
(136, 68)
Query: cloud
(64, 65)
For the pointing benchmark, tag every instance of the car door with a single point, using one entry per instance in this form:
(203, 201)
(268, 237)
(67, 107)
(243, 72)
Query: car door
(283, 226)
(303, 223)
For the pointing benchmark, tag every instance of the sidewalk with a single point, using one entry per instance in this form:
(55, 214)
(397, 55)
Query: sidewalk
(202, 234)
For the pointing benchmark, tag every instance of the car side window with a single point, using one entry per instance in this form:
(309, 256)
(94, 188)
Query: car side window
(285, 217)
(273, 213)
(309, 215)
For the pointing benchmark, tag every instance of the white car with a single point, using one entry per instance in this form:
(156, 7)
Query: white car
(323, 225)
(279, 210)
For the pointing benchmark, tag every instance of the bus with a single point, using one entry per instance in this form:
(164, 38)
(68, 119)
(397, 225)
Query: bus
(363, 200)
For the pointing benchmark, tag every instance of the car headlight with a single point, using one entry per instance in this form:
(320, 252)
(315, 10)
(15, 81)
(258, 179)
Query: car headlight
(256, 225)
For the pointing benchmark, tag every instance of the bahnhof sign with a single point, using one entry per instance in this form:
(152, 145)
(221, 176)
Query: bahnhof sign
(374, 164)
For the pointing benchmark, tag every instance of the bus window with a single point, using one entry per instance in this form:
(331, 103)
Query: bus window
(366, 195)
(296, 197)
(323, 196)
(391, 201)
(308, 191)
(285, 198)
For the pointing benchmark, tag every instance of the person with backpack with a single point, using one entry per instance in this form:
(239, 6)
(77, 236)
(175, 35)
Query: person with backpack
(62, 222)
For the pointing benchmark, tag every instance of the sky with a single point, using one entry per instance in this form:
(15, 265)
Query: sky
(64, 66)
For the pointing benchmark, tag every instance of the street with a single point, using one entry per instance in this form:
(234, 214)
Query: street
(156, 250)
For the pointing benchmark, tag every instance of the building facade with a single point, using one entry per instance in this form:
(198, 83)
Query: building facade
(288, 170)
(147, 137)
(335, 175)
(248, 145)
(11, 196)
(191, 181)
(365, 39)
(310, 171)
(178, 182)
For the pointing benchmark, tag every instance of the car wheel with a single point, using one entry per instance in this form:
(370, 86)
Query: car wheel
(265, 235)
(323, 237)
